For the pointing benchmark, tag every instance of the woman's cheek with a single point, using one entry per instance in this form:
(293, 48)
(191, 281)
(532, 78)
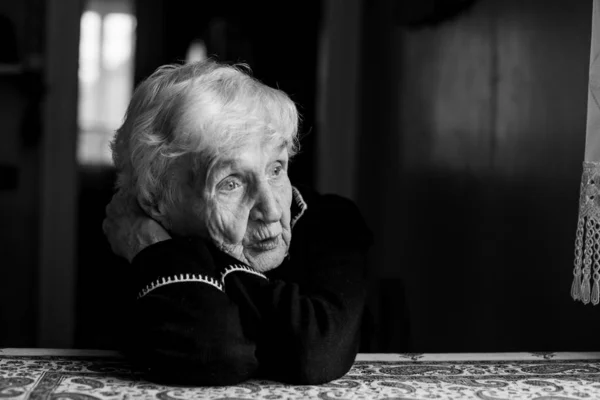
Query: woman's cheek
(226, 224)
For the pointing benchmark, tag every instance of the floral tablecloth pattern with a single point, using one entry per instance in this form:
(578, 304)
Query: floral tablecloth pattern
(84, 376)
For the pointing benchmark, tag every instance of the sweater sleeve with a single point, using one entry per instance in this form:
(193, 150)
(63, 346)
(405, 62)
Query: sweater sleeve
(310, 331)
(184, 329)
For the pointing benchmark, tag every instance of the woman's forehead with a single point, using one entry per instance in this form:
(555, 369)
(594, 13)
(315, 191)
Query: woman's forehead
(253, 151)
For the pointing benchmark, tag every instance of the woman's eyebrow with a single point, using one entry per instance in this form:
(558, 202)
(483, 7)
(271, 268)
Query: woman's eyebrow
(226, 163)
(219, 167)
(282, 146)
(279, 149)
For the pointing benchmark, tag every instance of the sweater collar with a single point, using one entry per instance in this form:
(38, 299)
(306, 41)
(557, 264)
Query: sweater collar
(298, 206)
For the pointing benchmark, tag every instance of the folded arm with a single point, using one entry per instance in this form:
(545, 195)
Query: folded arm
(309, 333)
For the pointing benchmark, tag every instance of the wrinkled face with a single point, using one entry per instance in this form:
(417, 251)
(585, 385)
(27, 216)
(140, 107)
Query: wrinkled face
(243, 204)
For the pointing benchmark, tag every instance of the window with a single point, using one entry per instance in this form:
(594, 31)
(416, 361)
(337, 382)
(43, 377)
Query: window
(106, 57)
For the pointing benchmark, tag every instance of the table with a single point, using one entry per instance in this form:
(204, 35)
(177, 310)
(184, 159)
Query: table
(89, 375)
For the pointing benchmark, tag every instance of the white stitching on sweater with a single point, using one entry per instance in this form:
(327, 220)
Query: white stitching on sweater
(178, 279)
(239, 267)
(301, 203)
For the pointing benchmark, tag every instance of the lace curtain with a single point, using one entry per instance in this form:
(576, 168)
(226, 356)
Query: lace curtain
(586, 272)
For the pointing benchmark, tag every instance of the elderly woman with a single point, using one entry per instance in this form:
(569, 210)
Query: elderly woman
(205, 213)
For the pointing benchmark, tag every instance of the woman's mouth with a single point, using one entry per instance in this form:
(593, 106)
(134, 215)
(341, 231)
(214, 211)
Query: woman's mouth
(266, 244)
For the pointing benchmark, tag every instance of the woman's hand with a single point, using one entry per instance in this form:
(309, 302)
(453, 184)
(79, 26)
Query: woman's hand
(128, 229)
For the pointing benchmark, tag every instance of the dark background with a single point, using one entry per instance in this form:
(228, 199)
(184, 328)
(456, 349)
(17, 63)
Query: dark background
(468, 127)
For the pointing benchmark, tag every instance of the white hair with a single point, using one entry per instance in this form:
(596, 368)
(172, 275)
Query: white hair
(200, 109)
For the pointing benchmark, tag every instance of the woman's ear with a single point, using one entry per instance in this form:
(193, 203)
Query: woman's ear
(157, 212)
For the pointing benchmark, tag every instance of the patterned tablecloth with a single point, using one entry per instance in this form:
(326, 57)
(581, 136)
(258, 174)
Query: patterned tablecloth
(88, 375)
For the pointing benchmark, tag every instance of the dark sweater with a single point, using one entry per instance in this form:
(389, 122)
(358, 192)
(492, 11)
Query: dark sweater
(202, 317)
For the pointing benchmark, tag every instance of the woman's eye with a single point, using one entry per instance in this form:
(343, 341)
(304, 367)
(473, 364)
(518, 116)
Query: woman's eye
(229, 185)
(277, 171)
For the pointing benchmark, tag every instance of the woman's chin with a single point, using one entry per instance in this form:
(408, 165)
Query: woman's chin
(266, 259)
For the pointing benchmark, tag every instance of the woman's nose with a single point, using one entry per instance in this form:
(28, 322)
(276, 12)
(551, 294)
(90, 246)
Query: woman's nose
(266, 207)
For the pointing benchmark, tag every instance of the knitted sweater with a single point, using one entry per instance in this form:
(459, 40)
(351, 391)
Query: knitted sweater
(202, 317)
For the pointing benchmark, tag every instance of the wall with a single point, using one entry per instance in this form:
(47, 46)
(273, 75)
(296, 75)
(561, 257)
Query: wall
(19, 191)
(473, 138)
(38, 95)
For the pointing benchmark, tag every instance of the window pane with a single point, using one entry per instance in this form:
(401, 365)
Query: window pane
(105, 79)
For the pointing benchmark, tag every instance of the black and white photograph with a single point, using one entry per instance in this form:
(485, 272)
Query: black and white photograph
(299, 199)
